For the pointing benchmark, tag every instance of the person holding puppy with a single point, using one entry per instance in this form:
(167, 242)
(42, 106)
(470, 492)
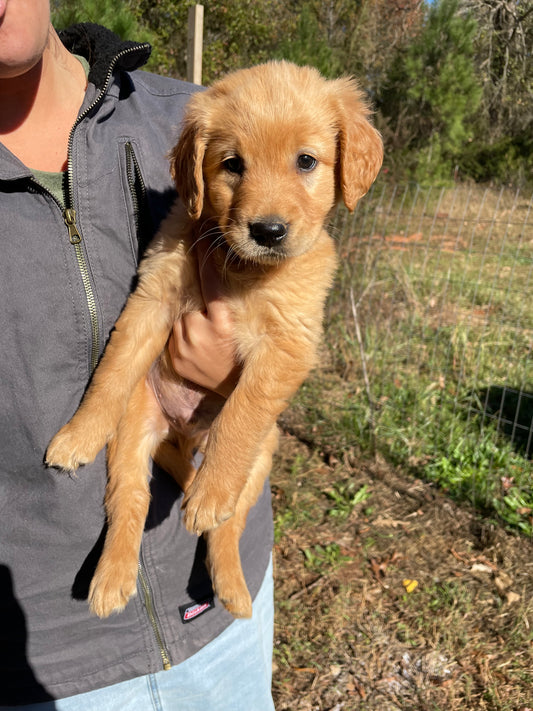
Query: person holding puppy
(84, 184)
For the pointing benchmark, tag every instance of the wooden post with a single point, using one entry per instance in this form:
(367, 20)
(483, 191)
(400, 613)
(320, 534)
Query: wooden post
(195, 43)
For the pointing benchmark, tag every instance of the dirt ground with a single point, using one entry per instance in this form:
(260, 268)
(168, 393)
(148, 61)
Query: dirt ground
(391, 596)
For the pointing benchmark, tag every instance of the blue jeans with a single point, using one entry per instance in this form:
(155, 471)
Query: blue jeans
(231, 673)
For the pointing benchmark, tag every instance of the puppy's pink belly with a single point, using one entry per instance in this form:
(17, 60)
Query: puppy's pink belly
(188, 408)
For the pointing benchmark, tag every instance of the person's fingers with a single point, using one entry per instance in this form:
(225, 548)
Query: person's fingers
(202, 342)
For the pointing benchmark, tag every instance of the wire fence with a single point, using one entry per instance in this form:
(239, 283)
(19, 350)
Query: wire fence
(435, 296)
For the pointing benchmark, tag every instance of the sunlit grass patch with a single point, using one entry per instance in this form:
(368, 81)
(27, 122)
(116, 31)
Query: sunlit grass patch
(430, 335)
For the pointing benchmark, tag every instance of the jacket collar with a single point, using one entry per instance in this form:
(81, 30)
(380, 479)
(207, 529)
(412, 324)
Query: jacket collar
(105, 51)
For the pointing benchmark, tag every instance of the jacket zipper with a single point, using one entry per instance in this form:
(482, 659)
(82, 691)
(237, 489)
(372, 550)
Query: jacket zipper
(69, 215)
(152, 616)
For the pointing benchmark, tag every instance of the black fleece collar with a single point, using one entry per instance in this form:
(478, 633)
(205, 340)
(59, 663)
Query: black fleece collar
(103, 49)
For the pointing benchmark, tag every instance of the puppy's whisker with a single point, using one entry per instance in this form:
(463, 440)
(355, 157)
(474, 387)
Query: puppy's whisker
(212, 243)
(194, 244)
(231, 258)
(203, 236)
(206, 231)
(212, 248)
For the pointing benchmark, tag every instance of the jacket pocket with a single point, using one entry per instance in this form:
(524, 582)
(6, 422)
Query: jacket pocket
(142, 221)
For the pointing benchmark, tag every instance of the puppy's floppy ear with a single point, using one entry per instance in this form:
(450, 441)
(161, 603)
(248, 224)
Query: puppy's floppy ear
(186, 164)
(360, 149)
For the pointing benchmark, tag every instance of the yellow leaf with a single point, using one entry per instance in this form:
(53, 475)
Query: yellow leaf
(410, 585)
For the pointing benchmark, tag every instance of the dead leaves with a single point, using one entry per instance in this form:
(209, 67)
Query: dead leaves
(485, 570)
(478, 566)
(379, 566)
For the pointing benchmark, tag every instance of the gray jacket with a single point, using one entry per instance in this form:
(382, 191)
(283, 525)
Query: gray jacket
(64, 278)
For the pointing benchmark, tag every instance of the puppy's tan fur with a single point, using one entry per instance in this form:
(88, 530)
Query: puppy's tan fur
(237, 164)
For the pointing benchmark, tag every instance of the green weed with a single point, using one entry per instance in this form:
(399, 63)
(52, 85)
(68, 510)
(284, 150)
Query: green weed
(326, 557)
(345, 496)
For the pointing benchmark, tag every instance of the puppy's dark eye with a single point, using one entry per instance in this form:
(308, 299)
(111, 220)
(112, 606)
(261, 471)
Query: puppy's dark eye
(306, 163)
(234, 165)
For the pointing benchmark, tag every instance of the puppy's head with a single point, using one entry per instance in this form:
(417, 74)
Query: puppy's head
(267, 152)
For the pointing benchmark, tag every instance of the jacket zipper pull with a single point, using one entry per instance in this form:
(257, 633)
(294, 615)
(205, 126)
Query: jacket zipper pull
(70, 220)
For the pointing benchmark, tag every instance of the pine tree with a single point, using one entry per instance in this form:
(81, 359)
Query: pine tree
(433, 92)
(113, 14)
(308, 44)
(117, 15)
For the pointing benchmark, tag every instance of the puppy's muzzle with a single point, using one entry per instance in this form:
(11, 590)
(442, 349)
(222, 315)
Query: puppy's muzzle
(269, 232)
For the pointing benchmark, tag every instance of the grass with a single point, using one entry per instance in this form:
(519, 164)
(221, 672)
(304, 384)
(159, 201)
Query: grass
(430, 319)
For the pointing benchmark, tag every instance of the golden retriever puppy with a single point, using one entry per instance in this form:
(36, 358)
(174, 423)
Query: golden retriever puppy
(263, 157)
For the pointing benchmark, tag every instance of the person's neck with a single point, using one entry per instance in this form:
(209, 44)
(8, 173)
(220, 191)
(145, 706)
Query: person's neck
(38, 109)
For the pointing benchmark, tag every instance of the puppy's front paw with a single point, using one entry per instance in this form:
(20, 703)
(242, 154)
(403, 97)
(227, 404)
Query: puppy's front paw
(112, 587)
(69, 449)
(205, 508)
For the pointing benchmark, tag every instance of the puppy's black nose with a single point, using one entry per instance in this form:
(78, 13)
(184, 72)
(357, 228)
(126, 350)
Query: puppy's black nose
(268, 233)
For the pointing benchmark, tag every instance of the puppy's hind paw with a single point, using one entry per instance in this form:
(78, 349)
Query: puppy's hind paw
(233, 594)
(240, 608)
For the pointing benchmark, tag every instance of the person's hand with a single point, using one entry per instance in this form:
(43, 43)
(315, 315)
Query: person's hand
(201, 345)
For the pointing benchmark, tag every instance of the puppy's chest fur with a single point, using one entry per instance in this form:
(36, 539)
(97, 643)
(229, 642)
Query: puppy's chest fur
(274, 307)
